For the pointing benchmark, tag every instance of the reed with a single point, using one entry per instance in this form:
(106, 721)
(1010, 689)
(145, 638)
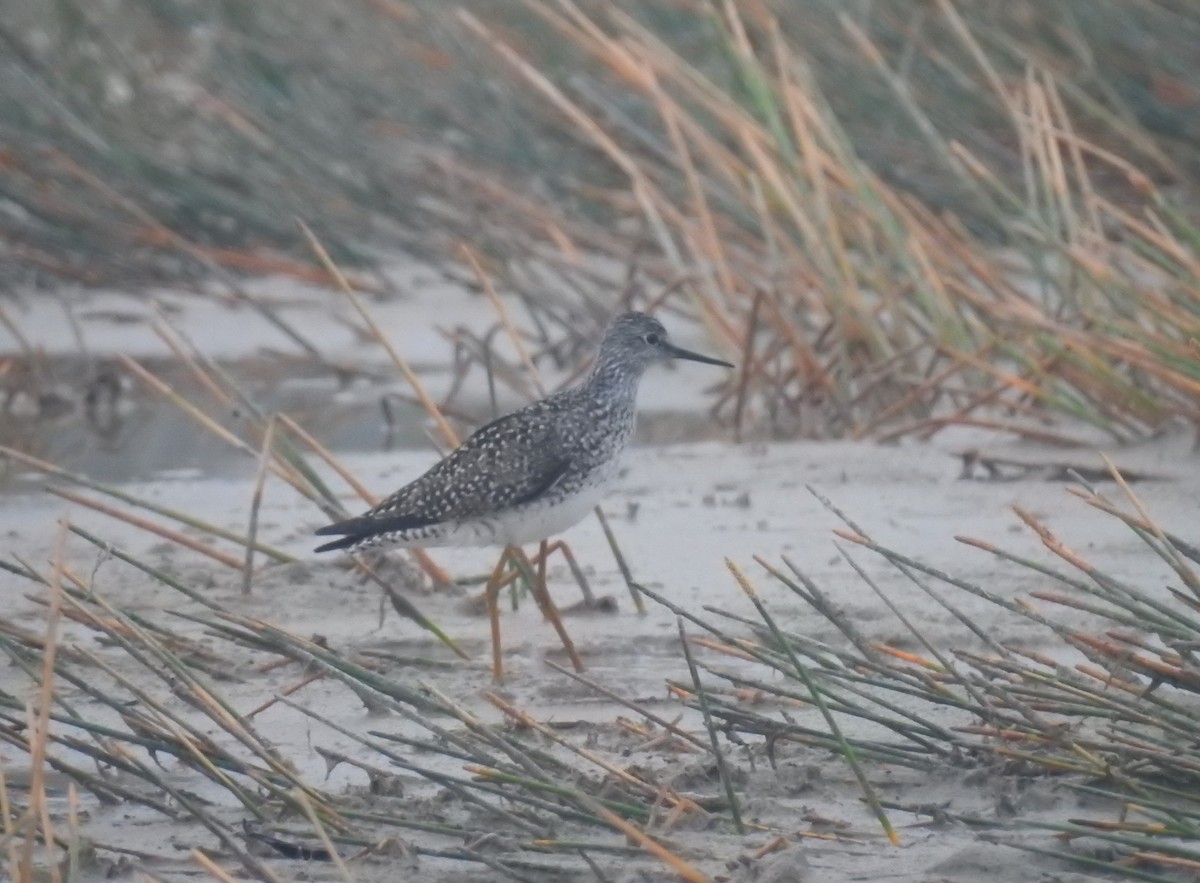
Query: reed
(858, 310)
(1109, 711)
(154, 698)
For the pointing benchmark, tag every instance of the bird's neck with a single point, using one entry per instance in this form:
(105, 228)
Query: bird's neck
(614, 378)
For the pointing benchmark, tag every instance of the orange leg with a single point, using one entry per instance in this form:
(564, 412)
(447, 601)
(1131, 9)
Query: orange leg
(545, 603)
(492, 596)
(560, 546)
(541, 593)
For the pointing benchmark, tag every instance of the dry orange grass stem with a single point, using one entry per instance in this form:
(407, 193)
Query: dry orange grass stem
(858, 309)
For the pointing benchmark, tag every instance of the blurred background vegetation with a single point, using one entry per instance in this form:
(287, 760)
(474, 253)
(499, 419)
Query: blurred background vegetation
(226, 120)
(897, 210)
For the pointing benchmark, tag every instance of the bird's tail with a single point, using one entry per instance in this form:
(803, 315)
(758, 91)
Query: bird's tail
(347, 542)
(354, 531)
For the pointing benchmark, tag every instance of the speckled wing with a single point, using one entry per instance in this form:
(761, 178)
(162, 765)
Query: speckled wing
(509, 462)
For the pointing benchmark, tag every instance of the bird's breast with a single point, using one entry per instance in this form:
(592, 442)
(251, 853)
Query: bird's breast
(548, 516)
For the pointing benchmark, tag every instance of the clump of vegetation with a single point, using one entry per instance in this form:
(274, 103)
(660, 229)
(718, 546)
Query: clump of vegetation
(1109, 711)
(557, 801)
(1064, 282)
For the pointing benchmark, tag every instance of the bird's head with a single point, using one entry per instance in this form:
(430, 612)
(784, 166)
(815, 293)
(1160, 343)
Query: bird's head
(636, 341)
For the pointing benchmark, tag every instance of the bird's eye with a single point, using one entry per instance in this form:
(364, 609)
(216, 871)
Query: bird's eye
(652, 339)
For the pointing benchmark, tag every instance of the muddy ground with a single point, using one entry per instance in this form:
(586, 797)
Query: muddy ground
(679, 510)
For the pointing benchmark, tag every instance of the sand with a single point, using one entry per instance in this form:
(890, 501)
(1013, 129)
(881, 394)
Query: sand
(694, 505)
(679, 511)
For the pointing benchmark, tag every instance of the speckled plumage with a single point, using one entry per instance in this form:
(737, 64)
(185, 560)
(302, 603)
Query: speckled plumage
(532, 473)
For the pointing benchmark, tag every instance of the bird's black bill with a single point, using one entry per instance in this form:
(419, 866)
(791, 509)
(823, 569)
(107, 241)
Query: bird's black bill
(678, 352)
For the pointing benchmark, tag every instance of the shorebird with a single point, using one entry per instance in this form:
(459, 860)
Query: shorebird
(527, 476)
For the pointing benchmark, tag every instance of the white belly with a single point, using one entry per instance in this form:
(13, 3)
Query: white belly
(537, 522)
(516, 527)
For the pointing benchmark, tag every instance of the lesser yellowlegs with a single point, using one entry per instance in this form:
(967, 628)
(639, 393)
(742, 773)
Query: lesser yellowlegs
(527, 476)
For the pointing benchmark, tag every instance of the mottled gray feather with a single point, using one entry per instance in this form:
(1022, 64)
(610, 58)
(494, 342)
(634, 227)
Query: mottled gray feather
(550, 456)
(509, 462)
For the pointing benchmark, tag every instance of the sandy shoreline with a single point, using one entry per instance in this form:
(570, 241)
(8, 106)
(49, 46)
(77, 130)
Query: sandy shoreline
(678, 512)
